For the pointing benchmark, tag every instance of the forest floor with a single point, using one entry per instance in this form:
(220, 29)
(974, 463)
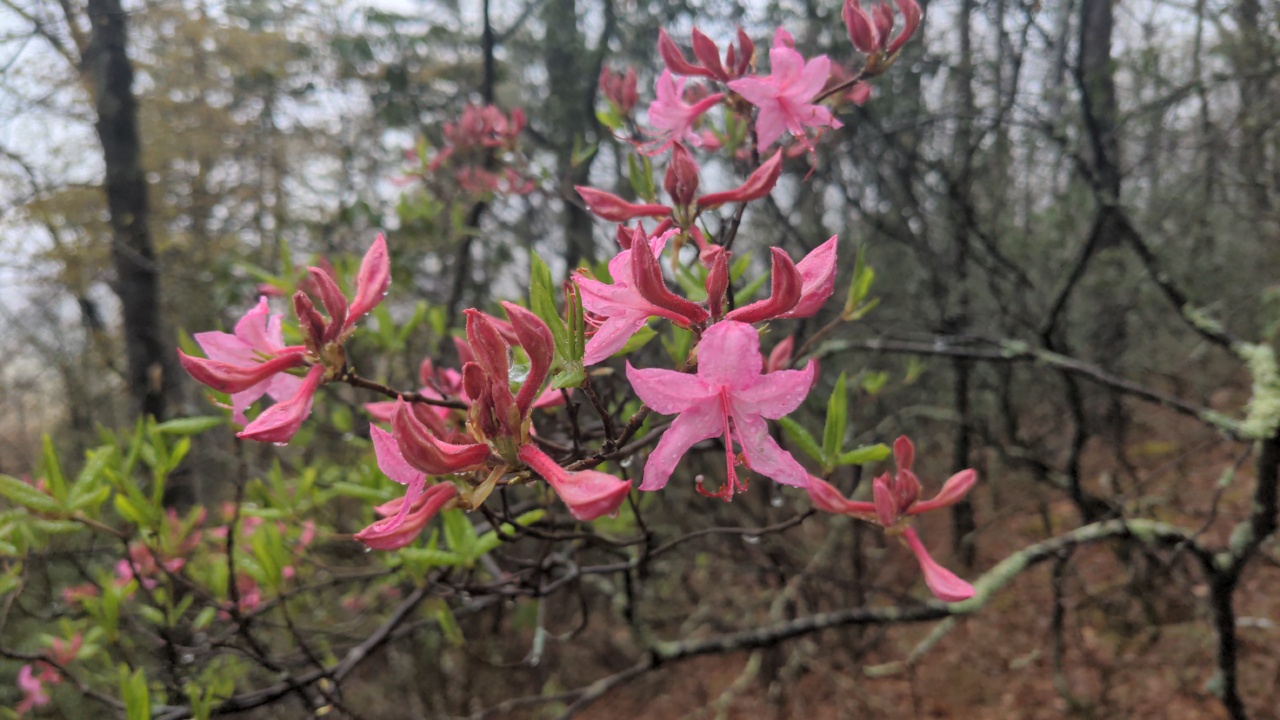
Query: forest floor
(1136, 640)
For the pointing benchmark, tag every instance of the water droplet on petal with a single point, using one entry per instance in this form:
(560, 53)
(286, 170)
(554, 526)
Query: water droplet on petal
(751, 539)
(280, 444)
(700, 478)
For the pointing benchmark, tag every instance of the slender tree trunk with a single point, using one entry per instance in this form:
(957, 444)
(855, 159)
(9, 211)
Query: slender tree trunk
(109, 76)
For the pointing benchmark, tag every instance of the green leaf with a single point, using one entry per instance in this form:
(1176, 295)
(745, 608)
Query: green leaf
(570, 377)
(873, 382)
(28, 496)
(458, 532)
(542, 303)
(798, 435)
(837, 421)
(190, 426)
(346, 488)
(865, 454)
(133, 689)
(53, 470)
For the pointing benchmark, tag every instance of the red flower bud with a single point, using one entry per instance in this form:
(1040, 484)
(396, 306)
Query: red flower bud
(681, 181)
(675, 59)
(487, 344)
(613, 208)
(588, 493)
(780, 355)
(718, 283)
(862, 33)
(312, 322)
(757, 185)
(646, 276)
(783, 295)
(228, 378)
(425, 452)
(335, 303)
(535, 337)
(706, 51)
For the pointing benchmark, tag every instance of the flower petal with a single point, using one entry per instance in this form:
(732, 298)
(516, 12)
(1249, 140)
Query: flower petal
(729, 355)
(691, 427)
(775, 395)
(668, 391)
(942, 582)
(763, 454)
(390, 461)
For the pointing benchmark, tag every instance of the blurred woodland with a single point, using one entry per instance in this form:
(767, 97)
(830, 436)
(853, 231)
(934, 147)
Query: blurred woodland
(1072, 210)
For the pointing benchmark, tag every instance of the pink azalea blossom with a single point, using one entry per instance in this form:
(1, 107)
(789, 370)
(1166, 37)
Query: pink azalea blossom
(589, 494)
(281, 421)
(32, 690)
(727, 397)
(257, 335)
(622, 306)
(672, 117)
(785, 96)
(395, 534)
(896, 497)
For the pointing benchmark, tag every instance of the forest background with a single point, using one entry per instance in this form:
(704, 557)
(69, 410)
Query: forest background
(1072, 213)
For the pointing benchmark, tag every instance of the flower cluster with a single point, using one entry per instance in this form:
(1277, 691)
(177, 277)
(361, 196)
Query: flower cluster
(896, 497)
(253, 360)
(469, 430)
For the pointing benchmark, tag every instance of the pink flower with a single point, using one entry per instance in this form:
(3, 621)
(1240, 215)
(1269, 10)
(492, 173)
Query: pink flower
(728, 397)
(870, 35)
(895, 497)
(32, 689)
(784, 97)
(235, 358)
(943, 583)
(279, 422)
(626, 305)
(756, 186)
(420, 449)
(405, 525)
(673, 117)
(588, 494)
(818, 277)
(614, 209)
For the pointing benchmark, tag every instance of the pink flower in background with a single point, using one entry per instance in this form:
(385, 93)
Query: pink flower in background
(673, 117)
(727, 397)
(896, 497)
(32, 687)
(869, 32)
(785, 96)
(588, 494)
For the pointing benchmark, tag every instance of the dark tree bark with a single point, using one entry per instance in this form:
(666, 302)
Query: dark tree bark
(105, 67)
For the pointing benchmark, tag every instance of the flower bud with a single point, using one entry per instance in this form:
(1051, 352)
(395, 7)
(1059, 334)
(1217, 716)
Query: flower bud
(372, 281)
(780, 355)
(387, 535)
(425, 452)
(952, 492)
(704, 48)
(783, 295)
(681, 181)
(535, 337)
(718, 283)
(646, 276)
(675, 59)
(335, 303)
(885, 503)
(312, 322)
(589, 494)
(610, 207)
(229, 378)
(758, 184)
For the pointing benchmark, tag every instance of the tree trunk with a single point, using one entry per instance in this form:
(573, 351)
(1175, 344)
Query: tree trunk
(109, 76)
